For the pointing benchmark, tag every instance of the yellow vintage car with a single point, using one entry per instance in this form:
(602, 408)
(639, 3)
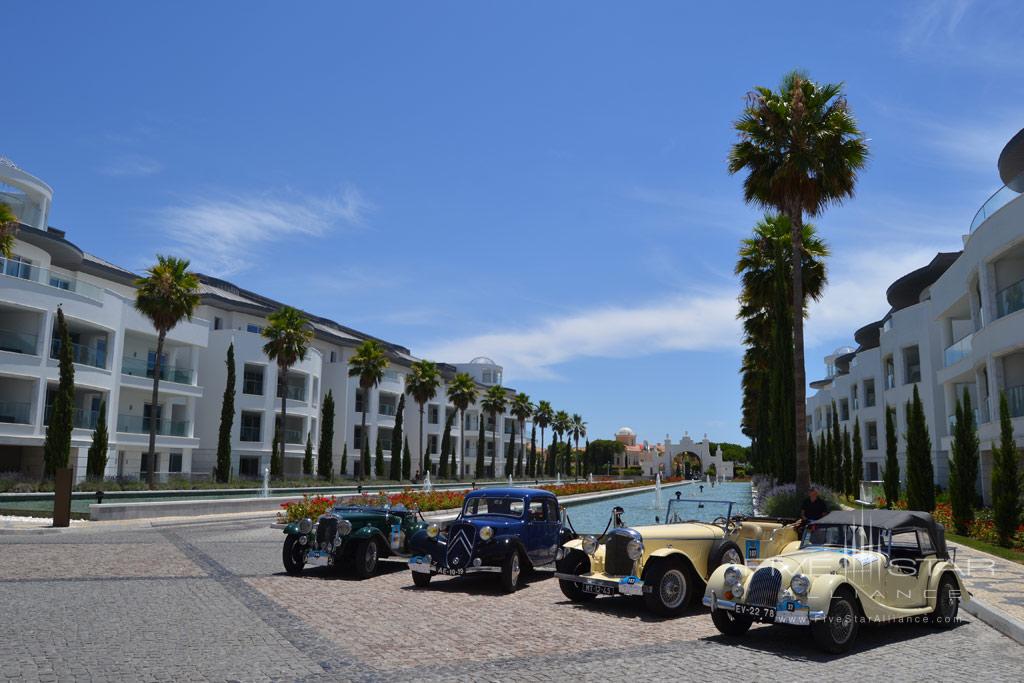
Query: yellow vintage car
(667, 563)
(850, 567)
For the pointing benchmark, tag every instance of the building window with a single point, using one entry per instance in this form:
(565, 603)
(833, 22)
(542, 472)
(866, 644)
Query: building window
(334, 356)
(432, 443)
(249, 466)
(144, 463)
(890, 373)
(252, 380)
(911, 365)
(217, 323)
(854, 402)
(433, 414)
(254, 328)
(384, 438)
(360, 402)
(174, 463)
(252, 427)
(872, 428)
(18, 266)
(388, 404)
(357, 437)
(448, 413)
(869, 393)
(844, 410)
(872, 471)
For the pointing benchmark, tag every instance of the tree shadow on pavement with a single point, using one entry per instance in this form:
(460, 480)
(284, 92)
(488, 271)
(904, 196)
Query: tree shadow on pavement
(484, 583)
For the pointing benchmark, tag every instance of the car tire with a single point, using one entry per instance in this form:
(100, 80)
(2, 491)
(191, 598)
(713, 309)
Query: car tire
(294, 555)
(511, 571)
(838, 631)
(731, 624)
(727, 553)
(366, 558)
(575, 562)
(421, 579)
(947, 604)
(671, 583)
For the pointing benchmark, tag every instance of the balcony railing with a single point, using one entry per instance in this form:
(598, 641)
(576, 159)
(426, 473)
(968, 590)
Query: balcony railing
(18, 342)
(951, 421)
(387, 409)
(81, 354)
(24, 271)
(253, 387)
(138, 367)
(1010, 299)
(293, 436)
(137, 424)
(292, 391)
(82, 419)
(1000, 198)
(250, 433)
(955, 353)
(1015, 400)
(15, 412)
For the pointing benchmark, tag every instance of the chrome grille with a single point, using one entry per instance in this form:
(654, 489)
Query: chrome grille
(616, 561)
(326, 530)
(764, 587)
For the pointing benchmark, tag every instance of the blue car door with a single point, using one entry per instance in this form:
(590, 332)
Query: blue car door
(542, 530)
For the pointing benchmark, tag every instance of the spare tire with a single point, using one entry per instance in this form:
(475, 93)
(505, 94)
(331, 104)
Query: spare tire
(727, 552)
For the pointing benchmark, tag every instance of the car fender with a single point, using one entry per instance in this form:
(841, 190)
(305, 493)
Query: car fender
(502, 546)
(790, 547)
(370, 532)
(292, 529)
(716, 582)
(574, 544)
(823, 587)
(668, 553)
(938, 569)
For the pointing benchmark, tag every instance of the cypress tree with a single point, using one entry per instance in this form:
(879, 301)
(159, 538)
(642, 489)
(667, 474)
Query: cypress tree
(1006, 507)
(920, 477)
(395, 464)
(277, 455)
(891, 472)
(586, 459)
(836, 467)
(97, 463)
(531, 461)
(406, 460)
(847, 469)
(398, 438)
(227, 420)
(811, 456)
(819, 459)
(427, 465)
(826, 465)
(307, 458)
(343, 469)
(325, 452)
(858, 457)
(519, 462)
(378, 460)
(446, 442)
(963, 467)
(57, 447)
(480, 447)
(453, 466)
(364, 455)
(510, 456)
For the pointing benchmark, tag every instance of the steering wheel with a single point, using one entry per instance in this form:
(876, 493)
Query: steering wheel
(729, 524)
(722, 521)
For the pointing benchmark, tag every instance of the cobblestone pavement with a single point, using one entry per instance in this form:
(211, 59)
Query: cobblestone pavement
(209, 602)
(998, 582)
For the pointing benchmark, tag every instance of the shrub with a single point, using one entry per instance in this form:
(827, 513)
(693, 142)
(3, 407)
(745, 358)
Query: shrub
(782, 500)
(311, 507)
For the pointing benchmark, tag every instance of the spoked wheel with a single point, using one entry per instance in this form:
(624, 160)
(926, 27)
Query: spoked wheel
(511, 570)
(294, 555)
(366, 558)
(838, 631)
(671, 588)
(729, 623)
(947, 604)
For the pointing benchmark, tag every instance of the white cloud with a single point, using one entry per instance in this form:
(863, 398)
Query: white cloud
(131, 165)
(963, 32)
(685, 323)
(223, 236)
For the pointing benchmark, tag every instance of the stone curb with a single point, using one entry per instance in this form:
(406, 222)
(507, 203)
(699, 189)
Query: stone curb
(996, 618)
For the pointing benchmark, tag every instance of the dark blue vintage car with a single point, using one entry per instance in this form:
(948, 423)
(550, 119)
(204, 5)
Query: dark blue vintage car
(502, 530)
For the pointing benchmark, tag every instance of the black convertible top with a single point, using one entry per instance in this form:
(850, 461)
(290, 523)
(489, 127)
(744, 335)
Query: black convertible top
(892, 519)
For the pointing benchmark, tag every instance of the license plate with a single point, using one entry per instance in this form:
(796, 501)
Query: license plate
(757, 612)
(317, 558)
(631, 585)
(421, 567)
(597, 589)
(451, 572)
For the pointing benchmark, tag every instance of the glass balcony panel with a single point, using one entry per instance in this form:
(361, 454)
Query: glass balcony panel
(1010, 299)
(15, 412)
(81, 354)
(82, 419)
(137, 424)
(998, 200)
(18, 342)
(293, 391)
(955, 353)
(1015, 400)
(139, 367)
(250, 433)
(57, 280)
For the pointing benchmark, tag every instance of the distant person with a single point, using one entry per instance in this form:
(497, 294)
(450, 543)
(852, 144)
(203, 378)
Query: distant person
(813, 508)
(702, 488)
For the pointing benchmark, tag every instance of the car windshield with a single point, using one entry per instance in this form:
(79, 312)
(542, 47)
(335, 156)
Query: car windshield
(843, 536)
(697, 510)
(505, 506)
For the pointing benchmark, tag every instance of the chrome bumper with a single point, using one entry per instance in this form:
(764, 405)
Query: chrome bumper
(416, 564)
(620, 586)
(714, 602)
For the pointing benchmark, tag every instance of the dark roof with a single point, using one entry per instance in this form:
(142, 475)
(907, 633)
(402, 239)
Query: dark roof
(906, 291)
(1011, 162)
(892, 519)
(819, 383)
(508, 491)
(843, 362)
(867, 336)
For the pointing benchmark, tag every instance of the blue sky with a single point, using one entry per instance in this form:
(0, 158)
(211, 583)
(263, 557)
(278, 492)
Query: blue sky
(542, 183)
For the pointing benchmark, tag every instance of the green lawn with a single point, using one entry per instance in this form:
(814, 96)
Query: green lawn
(997, 550)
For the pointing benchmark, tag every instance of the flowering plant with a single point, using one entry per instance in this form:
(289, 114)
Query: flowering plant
(309, 506)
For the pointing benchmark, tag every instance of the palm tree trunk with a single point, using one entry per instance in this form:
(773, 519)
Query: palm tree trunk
(153, 408)
(423, 446)
(576, 453)
(494, 441)
(522, 446)
(803, 475)
(462, 443)
(282, 377)
(364, 442)
(543, 457)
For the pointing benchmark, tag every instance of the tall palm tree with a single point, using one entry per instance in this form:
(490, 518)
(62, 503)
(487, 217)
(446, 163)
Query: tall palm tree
(561, 426)
(578, 428)
(462, 392)
(422, 383)
(8, 226)
(802, 151)
(288, 336)
(523, 410)
(368, 363)
(542, 417)
(495, 401)
(168, 293)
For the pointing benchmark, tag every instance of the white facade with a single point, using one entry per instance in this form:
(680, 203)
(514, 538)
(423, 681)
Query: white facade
(956, 323)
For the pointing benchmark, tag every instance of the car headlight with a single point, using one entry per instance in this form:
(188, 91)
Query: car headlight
(737, 590)
(800, 584)
(305, 525)
(433, 530)
(589, 545)
(733, 576)
(344, 527)
(486, 534)
(635, 549)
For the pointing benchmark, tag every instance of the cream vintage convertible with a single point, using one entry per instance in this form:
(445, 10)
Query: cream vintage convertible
(668, 563)
(851, 566)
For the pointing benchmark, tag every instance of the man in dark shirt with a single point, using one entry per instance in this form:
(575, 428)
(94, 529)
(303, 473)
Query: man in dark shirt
(813, 507)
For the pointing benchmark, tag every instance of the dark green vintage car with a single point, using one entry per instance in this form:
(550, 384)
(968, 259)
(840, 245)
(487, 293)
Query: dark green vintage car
(350, 535)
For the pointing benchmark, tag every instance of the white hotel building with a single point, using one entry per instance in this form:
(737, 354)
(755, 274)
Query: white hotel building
(955, 323)
(114, 350)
